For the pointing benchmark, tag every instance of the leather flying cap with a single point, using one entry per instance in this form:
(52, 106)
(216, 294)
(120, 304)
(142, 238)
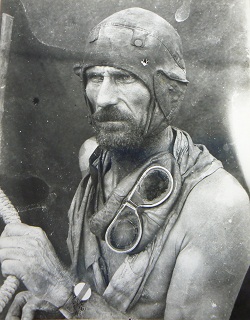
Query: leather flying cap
(139, 41)
(143, 43)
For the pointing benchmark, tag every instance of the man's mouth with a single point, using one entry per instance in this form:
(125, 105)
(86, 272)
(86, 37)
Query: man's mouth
(110, 125)
(109, 121)
(110, 115)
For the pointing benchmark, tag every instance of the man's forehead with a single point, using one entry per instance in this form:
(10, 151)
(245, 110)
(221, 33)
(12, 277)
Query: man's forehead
(106, 70)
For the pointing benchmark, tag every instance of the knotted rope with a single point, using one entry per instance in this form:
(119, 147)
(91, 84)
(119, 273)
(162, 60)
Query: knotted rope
(9, 215)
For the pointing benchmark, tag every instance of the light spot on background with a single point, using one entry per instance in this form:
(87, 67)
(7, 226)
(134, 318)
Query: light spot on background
(183, 12)
(239, 118)
(239, 114)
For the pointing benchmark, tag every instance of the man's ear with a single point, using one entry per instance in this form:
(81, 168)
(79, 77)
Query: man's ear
(169, 94)
(78, 70)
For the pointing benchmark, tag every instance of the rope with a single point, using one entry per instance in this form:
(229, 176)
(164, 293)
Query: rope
(9, 215)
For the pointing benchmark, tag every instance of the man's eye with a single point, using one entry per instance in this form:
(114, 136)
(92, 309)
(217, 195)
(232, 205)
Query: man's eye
(96, 78)
(124, 78)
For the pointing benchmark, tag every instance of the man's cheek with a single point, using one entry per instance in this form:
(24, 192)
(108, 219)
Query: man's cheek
(91, 94)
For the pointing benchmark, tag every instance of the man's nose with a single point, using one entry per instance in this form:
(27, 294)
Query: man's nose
(107, 94)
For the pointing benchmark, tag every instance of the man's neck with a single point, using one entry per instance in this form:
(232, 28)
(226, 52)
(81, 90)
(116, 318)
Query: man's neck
(125, 161)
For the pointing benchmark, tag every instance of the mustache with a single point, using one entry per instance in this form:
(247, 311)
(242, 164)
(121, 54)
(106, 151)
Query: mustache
(110, 114)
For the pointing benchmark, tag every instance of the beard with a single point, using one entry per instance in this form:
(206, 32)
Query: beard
(117, 130)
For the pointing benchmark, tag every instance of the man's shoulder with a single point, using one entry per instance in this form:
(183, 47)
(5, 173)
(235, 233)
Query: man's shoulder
(222, 187)
(218, 198)
(216, 219)
(86, 150)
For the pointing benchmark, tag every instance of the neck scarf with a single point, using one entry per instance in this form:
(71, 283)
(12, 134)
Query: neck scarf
(188, 164)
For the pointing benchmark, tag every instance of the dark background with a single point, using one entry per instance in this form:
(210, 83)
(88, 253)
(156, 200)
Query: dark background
(45, 119)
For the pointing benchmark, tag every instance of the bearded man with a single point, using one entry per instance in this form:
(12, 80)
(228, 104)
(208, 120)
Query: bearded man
(158, 229)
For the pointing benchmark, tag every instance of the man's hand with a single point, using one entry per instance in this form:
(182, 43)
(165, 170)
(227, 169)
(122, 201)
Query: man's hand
(26, 253)
(25, 305)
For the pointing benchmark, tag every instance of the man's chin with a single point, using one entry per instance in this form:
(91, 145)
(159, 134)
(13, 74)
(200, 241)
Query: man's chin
(119, 140)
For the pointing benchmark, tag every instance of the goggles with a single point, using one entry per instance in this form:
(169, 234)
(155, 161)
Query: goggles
(152, 189)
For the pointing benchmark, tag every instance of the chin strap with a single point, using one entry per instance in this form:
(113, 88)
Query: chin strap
(150, 112)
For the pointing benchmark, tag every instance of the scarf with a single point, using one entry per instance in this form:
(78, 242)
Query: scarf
(188, 164)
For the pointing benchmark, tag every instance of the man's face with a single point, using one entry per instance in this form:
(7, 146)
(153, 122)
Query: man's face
(121, 103)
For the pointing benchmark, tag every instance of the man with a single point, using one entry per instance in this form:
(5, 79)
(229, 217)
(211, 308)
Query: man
(158, 229)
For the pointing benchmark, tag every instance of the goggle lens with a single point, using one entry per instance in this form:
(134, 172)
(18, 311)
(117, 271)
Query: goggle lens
(124, 232)
(152, 189)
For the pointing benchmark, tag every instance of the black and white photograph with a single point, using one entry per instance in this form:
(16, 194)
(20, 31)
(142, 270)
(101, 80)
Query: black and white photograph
(125, 159)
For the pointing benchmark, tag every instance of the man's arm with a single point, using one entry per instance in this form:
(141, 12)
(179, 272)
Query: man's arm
(42, 273)
(214, 256)
(27, 253)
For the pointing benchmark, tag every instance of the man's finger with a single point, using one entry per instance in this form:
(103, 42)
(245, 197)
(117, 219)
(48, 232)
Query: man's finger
(42, 305)
(13, 267)
(21, 229)
(28, 312)
(23, 242)
(15, 310)
(13, 254)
